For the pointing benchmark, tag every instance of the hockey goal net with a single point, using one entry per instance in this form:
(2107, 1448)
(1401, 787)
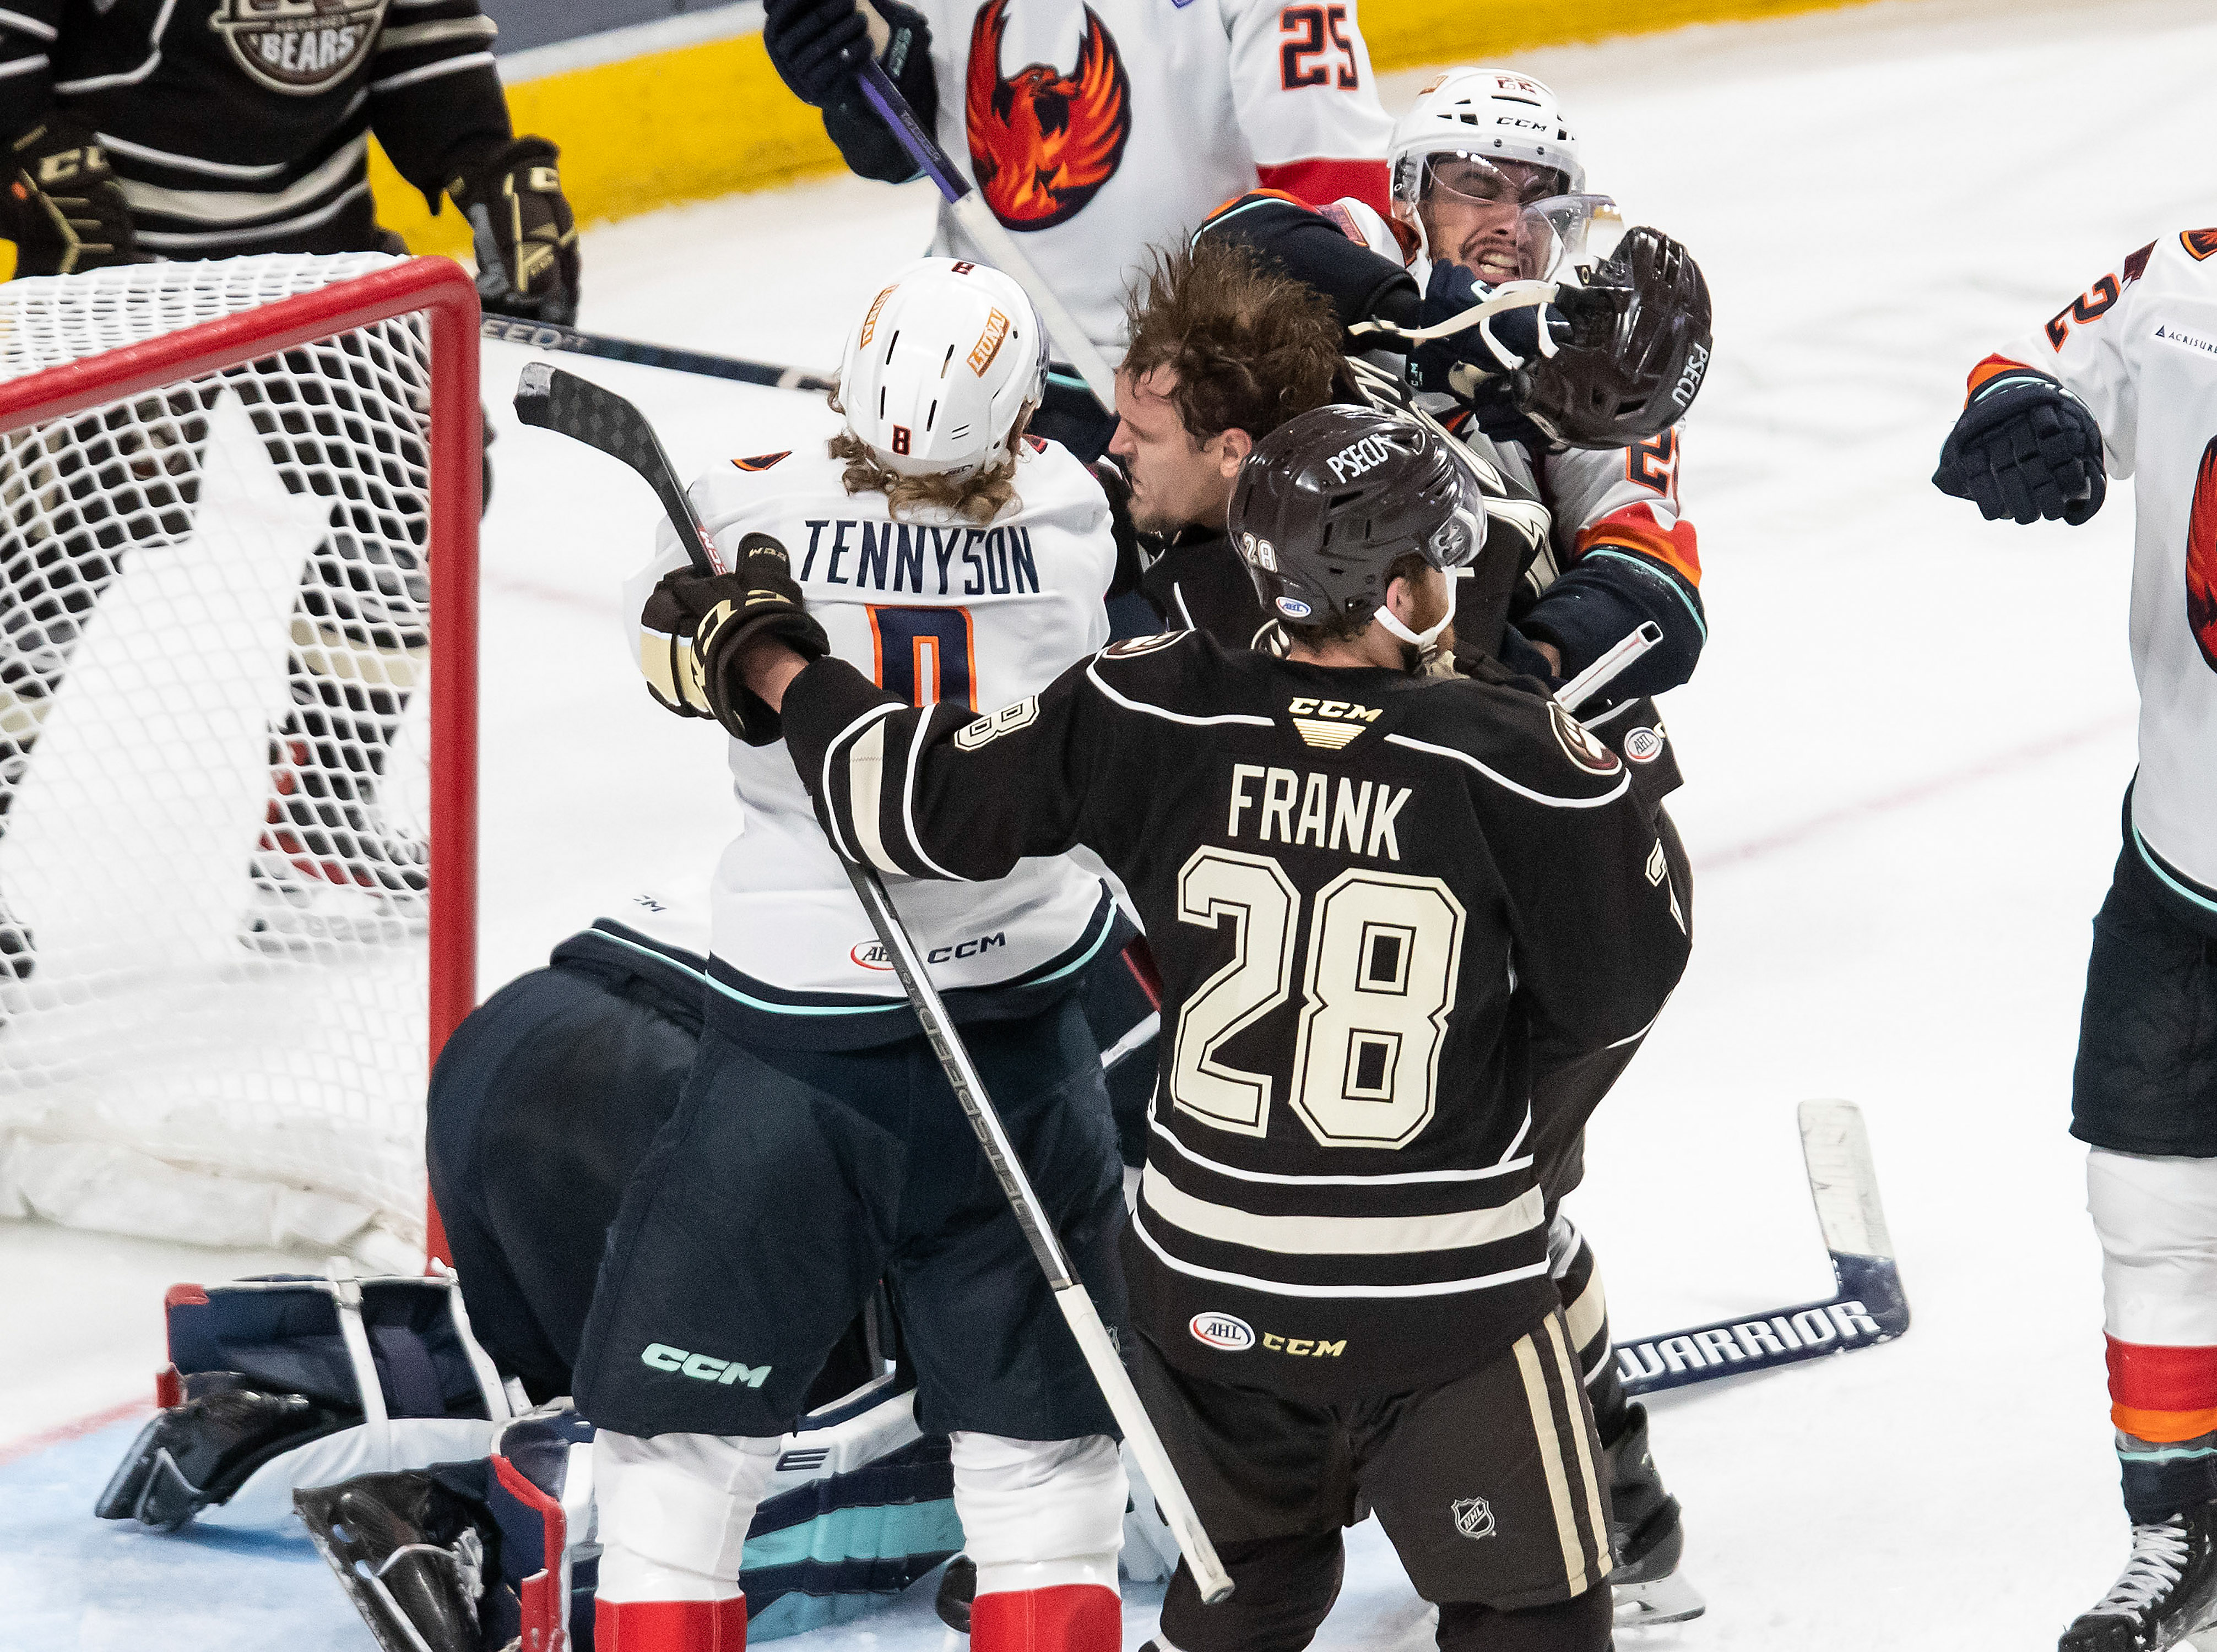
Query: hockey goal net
(238, 507)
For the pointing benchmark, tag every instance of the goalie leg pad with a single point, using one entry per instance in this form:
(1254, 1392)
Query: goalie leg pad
(674, 1513)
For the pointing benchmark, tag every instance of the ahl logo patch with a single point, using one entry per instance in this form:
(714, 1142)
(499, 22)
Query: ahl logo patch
(298, 46)
(1473, 1518)
(1225, 1331)
(1644, 745)
(870, 954)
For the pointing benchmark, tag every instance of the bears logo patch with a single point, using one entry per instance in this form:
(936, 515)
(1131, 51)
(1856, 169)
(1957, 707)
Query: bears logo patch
(298, 46)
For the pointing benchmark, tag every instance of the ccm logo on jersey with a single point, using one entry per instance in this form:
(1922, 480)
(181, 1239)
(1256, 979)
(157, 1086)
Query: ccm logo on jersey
(1348, 720)
(700, 1367)
(871, 954)
(1231, 1334)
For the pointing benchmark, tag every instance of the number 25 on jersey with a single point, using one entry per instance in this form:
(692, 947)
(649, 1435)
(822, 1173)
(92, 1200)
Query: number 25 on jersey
(1382, 955)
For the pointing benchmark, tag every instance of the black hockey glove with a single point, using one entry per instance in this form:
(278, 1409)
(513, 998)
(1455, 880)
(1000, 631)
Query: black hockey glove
(526, 240)
(65, 212)
(696, 627)
(815, 46)
(2025, 449)
(1461, 363)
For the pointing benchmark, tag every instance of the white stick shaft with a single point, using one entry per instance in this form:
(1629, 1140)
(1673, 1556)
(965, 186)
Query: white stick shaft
(1208, 1573)
(1606, 669)
(1000, 248)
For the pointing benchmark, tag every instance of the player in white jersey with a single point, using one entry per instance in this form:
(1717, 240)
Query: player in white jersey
(816, 1148)
(2122, 382)
(1095, 131)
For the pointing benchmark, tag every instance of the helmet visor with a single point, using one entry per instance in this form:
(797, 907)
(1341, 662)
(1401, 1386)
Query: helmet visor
(1563, 236)
(1472, 209)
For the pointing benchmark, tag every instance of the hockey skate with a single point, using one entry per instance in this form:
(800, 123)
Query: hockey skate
(407, 1551)
(2167, 1591)
(326, 869)
(1645, 1536)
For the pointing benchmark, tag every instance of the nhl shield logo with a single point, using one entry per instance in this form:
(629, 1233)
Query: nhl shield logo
(299, 46)
(1473, 1518)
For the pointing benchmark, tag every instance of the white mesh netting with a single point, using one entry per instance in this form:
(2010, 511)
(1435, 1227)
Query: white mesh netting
(214, 801)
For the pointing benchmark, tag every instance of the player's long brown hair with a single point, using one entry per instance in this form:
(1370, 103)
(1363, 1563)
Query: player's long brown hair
(979, 497)
(1251, 346)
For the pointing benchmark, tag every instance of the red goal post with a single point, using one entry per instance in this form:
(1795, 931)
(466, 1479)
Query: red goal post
(441, 292)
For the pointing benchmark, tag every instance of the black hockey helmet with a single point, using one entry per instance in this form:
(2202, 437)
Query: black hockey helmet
(1328, 501)
(1638, 351)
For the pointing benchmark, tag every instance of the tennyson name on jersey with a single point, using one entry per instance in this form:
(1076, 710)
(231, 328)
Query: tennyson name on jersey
(902, 557)
(1294, 808)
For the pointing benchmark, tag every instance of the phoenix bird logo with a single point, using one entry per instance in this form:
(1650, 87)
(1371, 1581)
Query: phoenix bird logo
(1043, 143)
(2202, 559)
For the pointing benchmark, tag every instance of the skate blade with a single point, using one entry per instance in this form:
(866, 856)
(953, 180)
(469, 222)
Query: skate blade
(1669, 1599)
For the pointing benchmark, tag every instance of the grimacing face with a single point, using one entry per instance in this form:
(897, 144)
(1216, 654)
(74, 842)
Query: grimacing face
(1176, 481)
(1474, 213)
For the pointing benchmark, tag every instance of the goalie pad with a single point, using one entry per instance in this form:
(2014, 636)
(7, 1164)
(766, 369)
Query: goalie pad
(860, 1505)
(282, 1382)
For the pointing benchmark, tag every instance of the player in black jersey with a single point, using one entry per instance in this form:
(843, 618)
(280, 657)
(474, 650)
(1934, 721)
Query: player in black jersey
(1198, 332)
(1384, 906)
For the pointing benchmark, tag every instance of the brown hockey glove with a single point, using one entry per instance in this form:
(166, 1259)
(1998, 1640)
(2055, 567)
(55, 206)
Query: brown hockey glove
(696, 627)
(526, 240)
(65, 212)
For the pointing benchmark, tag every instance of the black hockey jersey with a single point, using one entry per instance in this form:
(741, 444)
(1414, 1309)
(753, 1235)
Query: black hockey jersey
(243, 126)
(1371, 897)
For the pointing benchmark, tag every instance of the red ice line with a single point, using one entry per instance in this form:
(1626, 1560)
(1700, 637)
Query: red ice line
(66, 1432)
(2029, 755)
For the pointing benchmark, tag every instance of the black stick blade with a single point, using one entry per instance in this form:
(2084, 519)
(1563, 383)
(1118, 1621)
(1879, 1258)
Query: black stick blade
(561, 402)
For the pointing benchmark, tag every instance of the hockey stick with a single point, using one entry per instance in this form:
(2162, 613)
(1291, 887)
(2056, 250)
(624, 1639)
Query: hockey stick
(545, 335)
(554, 400)
(1868, 1307)
(978, 221)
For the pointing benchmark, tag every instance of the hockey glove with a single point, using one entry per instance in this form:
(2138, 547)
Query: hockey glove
(526, 240)
(815, 46)
(65, 211)
(2025, 449)
(1462, 363)
(696, 627)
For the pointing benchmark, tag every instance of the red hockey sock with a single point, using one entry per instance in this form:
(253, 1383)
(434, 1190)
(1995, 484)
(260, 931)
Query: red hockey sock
(671, 1625)
(1069, 1618)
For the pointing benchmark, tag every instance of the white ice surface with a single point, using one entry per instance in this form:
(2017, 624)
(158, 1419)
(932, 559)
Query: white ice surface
(1905, 749)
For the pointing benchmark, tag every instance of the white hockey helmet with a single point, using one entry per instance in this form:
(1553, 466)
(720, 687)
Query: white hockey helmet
(942, 365)
(1482, 114)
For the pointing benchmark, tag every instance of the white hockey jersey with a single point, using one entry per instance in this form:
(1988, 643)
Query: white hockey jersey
(2139, 348)
(937, 609)
(1095, 131)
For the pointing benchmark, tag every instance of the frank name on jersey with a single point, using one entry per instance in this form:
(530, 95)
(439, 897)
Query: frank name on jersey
(1356, 891)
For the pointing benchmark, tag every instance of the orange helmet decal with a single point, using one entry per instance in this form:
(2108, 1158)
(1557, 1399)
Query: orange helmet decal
(1043, 143)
